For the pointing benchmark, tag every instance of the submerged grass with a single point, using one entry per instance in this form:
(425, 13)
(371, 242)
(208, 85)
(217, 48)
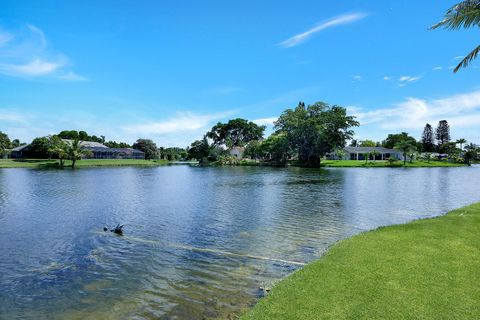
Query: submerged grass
(44, 163)
(426, 269)
(383, 163)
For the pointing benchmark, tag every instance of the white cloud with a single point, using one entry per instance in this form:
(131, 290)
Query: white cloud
(265, 121)
(329, 23)
(357, 77)
(185, 121)
(437, 68)
(462, 112)
(458, 58)
(26, 55)
(12, 116)
(404, 80)
(387, 78)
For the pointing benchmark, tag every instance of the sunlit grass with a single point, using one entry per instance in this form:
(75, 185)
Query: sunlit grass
(426, 269)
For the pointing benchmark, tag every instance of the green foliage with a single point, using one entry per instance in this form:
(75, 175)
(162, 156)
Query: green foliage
(4, 143)
(367, 143)
(199, 149)
(172, 154)
(75, 152)
(315, 130)
(442, 133)
(254, 150)
(405, 147)
(471, 153)
(465, 14)
(393, 139)
(81, 135)
(148, 147)
(39, 148)
(114, 144)
(235, 133)
(276, 148)
(461, 142)
(428, 141)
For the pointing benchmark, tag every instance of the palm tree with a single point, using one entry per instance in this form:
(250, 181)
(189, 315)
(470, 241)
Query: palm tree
(464, 14)
(75, 152)
(405, 146)
(461, 142)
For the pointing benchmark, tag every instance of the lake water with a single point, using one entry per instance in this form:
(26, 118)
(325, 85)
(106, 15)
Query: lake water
(198, 242)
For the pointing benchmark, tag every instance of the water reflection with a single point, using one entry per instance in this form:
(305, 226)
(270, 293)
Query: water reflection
(199, 242)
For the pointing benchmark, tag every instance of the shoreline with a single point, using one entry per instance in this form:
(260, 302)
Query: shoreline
(426, 268)
(85, 163)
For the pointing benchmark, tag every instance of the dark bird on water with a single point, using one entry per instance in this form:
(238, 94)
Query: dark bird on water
(118, 229)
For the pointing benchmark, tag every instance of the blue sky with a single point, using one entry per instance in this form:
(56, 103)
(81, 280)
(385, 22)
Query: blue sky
(170, 70)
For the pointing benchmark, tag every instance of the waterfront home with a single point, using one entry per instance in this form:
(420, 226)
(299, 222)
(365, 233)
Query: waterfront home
(237, 152)
(360, 153)
(97, 151)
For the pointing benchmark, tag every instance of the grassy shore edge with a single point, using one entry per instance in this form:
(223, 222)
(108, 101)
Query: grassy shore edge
(44, 163)
(425, 269)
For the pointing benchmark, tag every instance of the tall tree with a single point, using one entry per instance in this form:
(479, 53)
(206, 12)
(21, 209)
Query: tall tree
(235, 133)
(405, 147)
(442, 133)
(461, 142)
(148, 147)
(4, 143)
(428, 142)
(464, 14)
(393, 139)
(75, 151)
(315, 130)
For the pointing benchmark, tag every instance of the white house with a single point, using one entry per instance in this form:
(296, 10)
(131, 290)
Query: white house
(374, 153)
(237, 152)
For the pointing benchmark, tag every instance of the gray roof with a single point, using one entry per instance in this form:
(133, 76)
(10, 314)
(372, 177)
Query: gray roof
(87, 144)
(369, 149)
(20, 148)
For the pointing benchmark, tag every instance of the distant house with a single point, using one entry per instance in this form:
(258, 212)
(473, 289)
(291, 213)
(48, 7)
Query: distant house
(98, 151)
(113, 153)
(19, 152)
(374, 153)
(237, 152)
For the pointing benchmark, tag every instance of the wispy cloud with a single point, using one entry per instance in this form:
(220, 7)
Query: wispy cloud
(387, 78)
(404, 80)
(462, 112)
(265, 121)
(329, 23)
(357, 77)
(26, 54)
(437, 68)
(185, 121)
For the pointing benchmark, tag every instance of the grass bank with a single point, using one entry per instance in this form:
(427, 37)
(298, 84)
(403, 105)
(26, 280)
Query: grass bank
(426, 269)
(380, 163)
(43, 163)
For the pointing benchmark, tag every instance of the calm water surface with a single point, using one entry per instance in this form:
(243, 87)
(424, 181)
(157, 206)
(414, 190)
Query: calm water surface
(199, 242)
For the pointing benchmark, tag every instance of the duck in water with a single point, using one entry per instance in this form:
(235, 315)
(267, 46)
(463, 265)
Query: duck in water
(118, 229)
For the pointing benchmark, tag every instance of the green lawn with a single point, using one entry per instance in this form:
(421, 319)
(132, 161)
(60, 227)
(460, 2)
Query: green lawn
(42, 163)
(380, 163)
(426, 269)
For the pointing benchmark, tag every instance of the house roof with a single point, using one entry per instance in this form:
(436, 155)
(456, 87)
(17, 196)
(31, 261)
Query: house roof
(87, 144)
(19, 148)
(114, 150)
(369, 149)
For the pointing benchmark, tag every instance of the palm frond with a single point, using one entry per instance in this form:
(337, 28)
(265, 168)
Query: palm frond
(468, 59)
(464, 14)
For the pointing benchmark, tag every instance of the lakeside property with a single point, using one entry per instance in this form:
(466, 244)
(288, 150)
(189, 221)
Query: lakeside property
(45, 163)
(425, 269)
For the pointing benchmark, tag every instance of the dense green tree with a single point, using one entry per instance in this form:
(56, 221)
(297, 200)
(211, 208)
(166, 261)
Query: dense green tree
(394, 139)
(471, 153)
(315, 130)
(4, 143)
(405, 146)
(367, 143)
(199, 149)
(442, 133)
(235, 133)
(148, 147)
(276, 148)
(39, 148)
(114, 144)
(353, 143)
(464, 14)
(428, 141)
(69, 134)
(254, 150)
